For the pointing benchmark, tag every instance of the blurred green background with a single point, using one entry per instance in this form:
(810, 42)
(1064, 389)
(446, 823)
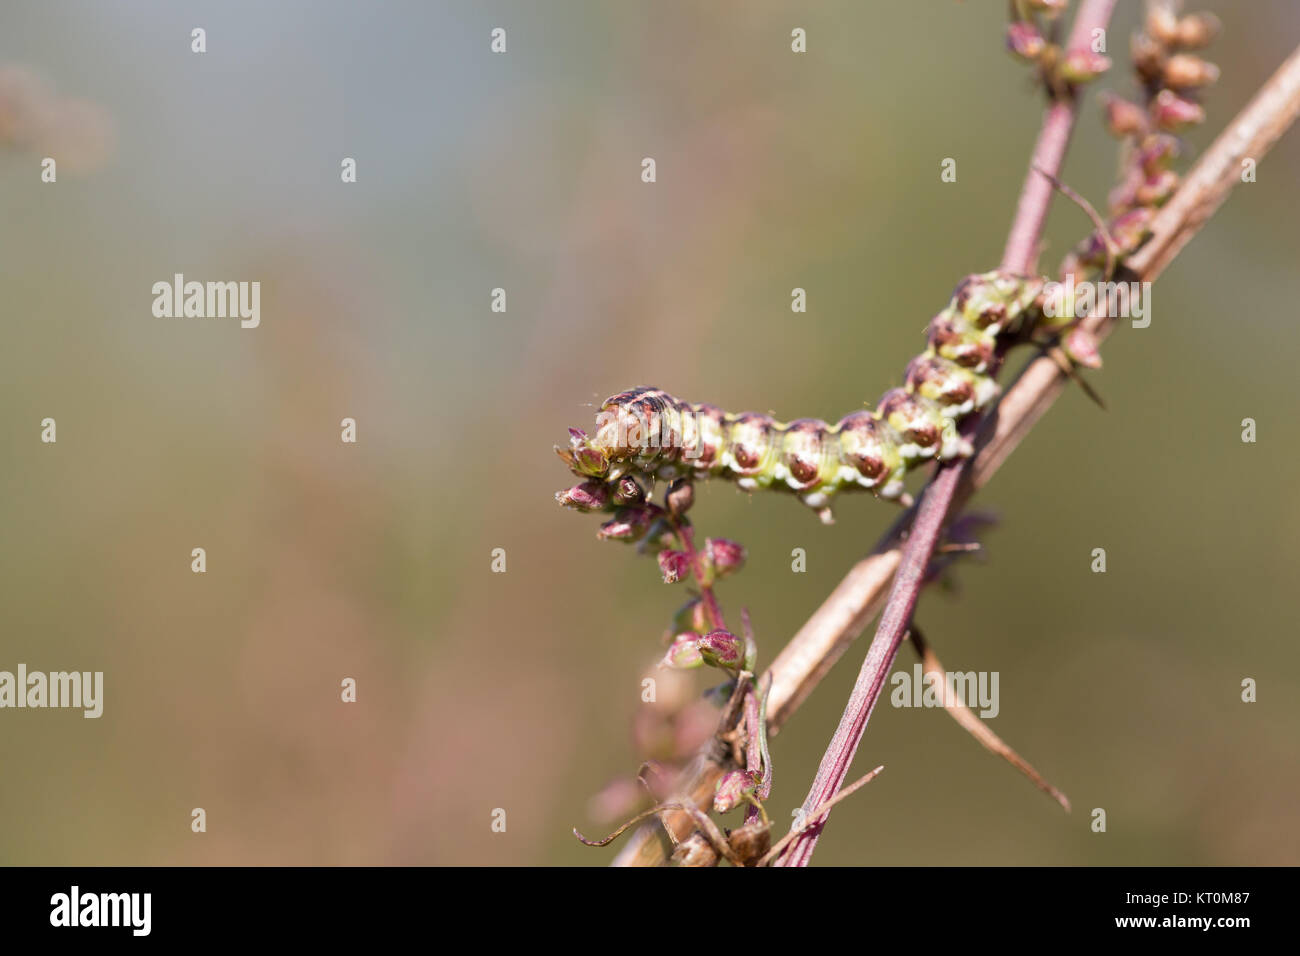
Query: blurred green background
(477, 690)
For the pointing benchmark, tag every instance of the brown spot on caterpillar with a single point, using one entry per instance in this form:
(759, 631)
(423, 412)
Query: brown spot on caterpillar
(951, 337)
(941, 380)
(803, 450)
(751, 439)
(911, 417)
(861, 445)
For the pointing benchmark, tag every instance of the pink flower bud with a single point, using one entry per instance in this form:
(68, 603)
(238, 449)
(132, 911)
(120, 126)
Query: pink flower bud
(683, 654)
(1157, 153)
(675, 566)
(628, 524)
(1172, 112)
(1122, 117)
(721, 649)
(724, 556)
(588, 496)
(1024, 40)
(1155, 189)
(731, 789)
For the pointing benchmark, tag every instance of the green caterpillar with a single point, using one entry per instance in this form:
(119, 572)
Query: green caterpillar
(646, 434)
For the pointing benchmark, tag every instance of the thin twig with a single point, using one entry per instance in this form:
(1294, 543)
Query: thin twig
(969, 722)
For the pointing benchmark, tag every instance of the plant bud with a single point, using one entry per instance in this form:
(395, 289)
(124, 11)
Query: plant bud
(691, 616)
(1186, 72)
(680, 497)
(628, 524)
(1024, 40)
(1172, 112)
(586, 459)
(588, 496)
(1130, 229)
(1148, 57)
(1196, 30)
(1083, 66)
(731, 789)
(1162, 24)
(674, 565)
(724, 556)
(1157, 153)
(1122, 117)
(721, 649)
(682, 653)
(1157, 188)
(628, 491)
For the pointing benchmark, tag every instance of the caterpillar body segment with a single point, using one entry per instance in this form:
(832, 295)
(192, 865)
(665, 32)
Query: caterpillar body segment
(647, 434)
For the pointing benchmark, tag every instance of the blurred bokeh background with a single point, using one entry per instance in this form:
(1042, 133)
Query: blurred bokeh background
(519, 690)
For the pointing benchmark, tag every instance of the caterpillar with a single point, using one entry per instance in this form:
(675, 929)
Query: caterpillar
(646, 434)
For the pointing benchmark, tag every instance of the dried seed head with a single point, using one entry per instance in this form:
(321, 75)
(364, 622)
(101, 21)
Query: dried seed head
(751, 841)
(695, 850)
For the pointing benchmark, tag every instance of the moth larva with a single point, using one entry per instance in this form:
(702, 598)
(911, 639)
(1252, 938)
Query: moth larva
(648, 434)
